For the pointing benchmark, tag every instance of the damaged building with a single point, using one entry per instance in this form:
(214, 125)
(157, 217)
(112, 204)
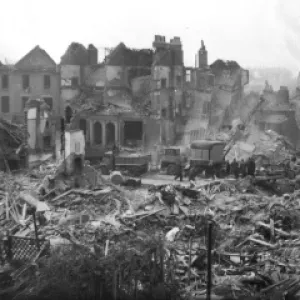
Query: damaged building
(230, 79)
(198, 87)
(103, 98)
(276, 113)
(34, 77)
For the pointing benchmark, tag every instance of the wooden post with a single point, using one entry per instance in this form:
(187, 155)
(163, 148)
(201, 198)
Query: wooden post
(9, 246)
(209, 247)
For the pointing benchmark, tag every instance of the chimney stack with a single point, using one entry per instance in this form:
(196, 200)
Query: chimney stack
(202, 56)
(92, 55)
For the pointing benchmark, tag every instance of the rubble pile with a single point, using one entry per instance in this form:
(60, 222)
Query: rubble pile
(255, 234)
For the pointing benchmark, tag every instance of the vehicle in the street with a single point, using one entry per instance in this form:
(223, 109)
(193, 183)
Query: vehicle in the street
(171, 158)
(208, 157)
(135, 164)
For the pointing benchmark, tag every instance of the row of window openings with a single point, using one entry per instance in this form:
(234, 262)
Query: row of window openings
(25, 82)
(5, 103)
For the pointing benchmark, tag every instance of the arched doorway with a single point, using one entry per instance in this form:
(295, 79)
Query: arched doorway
(68, 114)
(97, 133)
(82, 126)
(110, 134)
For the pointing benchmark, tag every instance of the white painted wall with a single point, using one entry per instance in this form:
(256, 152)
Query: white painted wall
(75, 142)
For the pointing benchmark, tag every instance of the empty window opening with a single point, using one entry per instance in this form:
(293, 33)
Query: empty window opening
(5, 104)
(97, 133)
(47, 82)
(188, 76)
(82, 126)
(110, 134)
(49, 102)
(25, 81)
(24, 101)
(133, 133)
(163, 83)
(5, 82)
(74, 81)
(68, 114)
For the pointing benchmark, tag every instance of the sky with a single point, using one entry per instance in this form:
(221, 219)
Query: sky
(256, 33)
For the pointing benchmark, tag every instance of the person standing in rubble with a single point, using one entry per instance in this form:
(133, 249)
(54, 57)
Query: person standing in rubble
(113, 158)
(251, 166)
(243, 168)
(179, 171)
(227, 165)
(234, 168)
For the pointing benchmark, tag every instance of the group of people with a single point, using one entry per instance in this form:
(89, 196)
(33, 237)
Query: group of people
(236, 168)
(241, 168)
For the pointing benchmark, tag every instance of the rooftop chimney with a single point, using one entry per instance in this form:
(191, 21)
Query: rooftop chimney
(202, 56)
(92, 55)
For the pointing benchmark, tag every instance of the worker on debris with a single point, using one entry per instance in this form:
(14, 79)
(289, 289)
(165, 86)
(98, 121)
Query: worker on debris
(242, 168)
(192, 174)
(227, 168)
(113, 157)
(251, 166)
(234, 168)
(179, 171)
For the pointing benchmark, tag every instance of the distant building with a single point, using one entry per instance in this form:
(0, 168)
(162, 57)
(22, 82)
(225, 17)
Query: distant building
(35, 76)
(277, 114)
(230, 80)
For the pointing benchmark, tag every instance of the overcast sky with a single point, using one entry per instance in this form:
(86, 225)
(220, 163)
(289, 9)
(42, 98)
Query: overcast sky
(254, 33)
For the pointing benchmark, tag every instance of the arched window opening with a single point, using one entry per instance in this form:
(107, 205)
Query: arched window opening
(110, 134)
(97, 133)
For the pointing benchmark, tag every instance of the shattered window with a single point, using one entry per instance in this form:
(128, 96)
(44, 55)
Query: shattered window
(5, 104)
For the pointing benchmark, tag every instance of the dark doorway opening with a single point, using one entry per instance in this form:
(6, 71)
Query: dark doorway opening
(110, 134)
(133, 133)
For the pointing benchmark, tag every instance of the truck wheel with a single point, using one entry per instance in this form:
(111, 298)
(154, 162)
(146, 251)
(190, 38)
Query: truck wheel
(171, 170)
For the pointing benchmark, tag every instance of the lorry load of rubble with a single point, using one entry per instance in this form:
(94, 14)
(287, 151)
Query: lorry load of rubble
(127, 238)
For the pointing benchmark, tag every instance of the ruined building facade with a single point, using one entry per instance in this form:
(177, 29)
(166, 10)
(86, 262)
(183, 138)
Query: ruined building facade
(33, 77)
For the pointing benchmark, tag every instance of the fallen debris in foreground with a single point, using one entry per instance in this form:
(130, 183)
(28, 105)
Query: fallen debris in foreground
(157, 235)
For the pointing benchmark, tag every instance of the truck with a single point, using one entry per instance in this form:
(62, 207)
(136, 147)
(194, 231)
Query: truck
(134, 164)
(208, 156)
(171, 158)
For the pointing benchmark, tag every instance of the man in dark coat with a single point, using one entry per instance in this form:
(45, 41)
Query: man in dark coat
(251, 166)
(113, 158)
(243, 168)
(234, 168)
(179, 171)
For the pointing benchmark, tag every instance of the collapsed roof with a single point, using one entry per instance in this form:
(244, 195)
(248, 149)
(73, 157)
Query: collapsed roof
(76, 54)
